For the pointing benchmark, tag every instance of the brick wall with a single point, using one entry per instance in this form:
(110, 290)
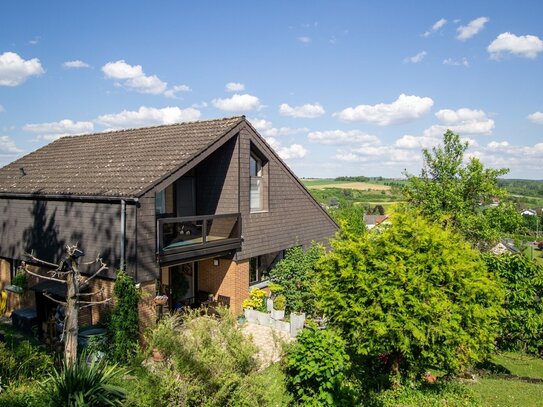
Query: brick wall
(229, 278)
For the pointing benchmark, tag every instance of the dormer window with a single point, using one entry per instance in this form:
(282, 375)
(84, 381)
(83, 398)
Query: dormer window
(255, 173)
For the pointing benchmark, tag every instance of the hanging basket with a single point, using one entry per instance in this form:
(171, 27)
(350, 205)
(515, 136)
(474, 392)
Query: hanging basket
(160, 300)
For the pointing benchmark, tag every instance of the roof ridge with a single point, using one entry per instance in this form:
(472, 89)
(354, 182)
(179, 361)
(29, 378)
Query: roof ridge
(242, 117)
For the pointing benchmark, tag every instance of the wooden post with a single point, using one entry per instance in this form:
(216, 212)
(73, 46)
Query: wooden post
(71, 330)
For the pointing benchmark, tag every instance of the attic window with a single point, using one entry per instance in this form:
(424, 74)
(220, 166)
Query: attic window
(255, 173)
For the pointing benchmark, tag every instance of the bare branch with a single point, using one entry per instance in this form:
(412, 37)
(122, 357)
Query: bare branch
(45, 294)
(95, 302)
(37, 260)
(100, 291)
(98, 259)
(103, 266)
(25, 267)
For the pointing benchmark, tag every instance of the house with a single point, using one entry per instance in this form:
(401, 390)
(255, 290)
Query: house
(528, 212)
(189, 210)
(372, 221)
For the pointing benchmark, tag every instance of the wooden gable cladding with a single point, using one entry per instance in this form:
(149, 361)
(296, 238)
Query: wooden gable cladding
(293, 217)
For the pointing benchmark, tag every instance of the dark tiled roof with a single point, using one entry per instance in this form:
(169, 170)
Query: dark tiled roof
(120, 163)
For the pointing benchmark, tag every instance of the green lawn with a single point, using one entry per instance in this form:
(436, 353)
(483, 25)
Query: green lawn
(497, 390)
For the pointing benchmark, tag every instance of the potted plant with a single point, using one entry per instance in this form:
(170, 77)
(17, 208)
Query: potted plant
(253, 304)
(278, 311)
(19, 281)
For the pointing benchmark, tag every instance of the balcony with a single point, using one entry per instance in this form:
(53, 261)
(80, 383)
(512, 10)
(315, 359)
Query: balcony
(197, 236)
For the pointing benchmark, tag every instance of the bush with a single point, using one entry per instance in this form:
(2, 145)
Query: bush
(256, 300)
(80, 385)
(296, 273)
(415, 295)
(123, 327)
(522, 322)
(316, 367)
(20, 279)
(279, 302)
(208, 362)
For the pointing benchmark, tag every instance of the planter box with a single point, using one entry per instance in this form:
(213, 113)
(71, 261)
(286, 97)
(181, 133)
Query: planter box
(263, 318)
(282, 326)
(251, 315)
(296, 323)
(278, 314)
(269, 304)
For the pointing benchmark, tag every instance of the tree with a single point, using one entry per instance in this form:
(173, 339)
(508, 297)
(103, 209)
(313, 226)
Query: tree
(414, 295)
(296, 274)
(67, 272)
(123, 327)
(462, 195)
(522, 321)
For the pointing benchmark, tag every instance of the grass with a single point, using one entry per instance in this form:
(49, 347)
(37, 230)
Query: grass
(495, 390)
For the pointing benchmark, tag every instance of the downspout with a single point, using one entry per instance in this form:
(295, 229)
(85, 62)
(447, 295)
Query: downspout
(123, 232)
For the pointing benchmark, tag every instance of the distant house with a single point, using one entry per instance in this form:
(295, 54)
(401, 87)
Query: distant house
(505, 246)
(190, 210)
(372, 221)
(528, 212)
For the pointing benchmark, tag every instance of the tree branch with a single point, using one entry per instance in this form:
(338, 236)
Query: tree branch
(25, 267)
(101, 291)
(54, 300)
(32, 257)
(103, 266)
(95, 302)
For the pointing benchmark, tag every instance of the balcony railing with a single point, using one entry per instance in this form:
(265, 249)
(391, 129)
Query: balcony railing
(200, 234)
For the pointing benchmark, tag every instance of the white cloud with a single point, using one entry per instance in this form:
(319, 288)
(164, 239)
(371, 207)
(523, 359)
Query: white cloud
(536, 117)
(404, 109)
(495, 145)
(238, 103)
(8, 147)
(436, 26)
(133, 77)
(462, 121)
(147, 116)
(459, 62)
(235, 87)
(416, 142)
(54, 130)
(14, 70)
(343, 137)
(527, 46)
(265, 128)
(307, 111)
(304, 40)
(286, 153)
(384, 155)
(75, 64)
(474, 26)
(415, 59)
(172, 93)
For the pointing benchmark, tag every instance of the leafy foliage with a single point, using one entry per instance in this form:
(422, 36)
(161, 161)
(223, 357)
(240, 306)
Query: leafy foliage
(20, 361)
(123, 326)
(20, 279)
(414, 294)
(256, 300)
(208, 362)
(81, 385)
(453, 193)
(296, 273)
(279, 302)
(522, 322)
(316, 367)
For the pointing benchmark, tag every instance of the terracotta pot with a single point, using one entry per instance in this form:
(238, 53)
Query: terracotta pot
(157, 356)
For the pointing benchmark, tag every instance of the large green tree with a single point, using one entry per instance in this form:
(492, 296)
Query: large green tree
(415, 295)
(462, 194)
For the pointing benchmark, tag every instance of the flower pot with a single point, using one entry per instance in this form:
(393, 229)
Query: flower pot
(278, 314)
(296, 323)
(263, 318)
(269, 304)
(250, 314)
(160, 300)
(282, 326)
(157, 356)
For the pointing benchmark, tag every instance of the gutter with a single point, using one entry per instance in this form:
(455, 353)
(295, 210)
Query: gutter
(61, 197)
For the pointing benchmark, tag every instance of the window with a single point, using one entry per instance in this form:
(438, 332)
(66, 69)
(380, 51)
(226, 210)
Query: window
(160, 202)
(255, 173)
(260, 266)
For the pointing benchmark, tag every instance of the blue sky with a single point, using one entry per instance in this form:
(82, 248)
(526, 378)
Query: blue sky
(337, 88)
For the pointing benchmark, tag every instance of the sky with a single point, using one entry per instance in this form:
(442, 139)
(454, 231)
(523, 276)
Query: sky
(335, 87)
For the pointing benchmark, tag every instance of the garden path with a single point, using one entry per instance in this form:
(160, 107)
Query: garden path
(269, 342)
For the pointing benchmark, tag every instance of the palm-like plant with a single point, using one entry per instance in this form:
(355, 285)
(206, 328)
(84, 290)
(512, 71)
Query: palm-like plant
(80, 384)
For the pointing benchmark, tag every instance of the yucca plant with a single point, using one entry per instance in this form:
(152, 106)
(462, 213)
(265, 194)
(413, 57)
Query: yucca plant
(83, 385)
